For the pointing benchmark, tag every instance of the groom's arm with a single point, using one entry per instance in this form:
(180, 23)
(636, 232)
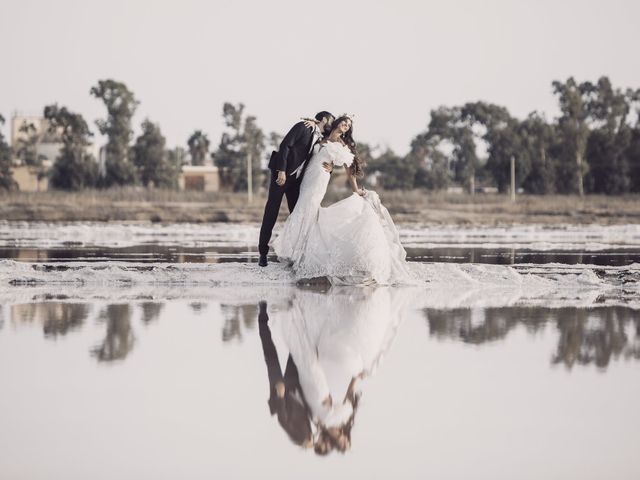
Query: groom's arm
(289, 141)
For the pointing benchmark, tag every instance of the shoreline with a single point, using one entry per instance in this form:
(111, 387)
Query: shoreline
(157, 206)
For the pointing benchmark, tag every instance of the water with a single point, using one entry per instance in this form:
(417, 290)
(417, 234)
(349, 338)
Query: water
(148, 366)
(199, 243)
(220, 254)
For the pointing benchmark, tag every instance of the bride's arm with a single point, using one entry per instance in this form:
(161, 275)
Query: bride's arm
(353, 182)
(350, 396)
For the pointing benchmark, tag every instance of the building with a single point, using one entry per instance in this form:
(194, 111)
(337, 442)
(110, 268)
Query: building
(45, 144)
(35, 129)
(203, 178)
(30, 178)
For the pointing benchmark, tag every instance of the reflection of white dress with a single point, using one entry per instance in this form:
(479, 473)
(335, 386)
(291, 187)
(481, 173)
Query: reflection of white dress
(335, 337)
(351, 242)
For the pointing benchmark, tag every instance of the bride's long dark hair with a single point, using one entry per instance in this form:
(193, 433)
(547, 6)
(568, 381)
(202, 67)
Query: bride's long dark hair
(357, 167)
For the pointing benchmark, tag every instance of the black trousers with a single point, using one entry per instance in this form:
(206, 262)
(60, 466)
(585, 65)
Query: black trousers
(291, 189)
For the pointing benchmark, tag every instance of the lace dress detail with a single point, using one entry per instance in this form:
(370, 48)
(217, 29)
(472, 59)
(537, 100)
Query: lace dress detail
(352, 242)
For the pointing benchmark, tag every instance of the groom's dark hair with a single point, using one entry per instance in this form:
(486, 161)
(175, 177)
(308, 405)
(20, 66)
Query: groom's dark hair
(323, 114)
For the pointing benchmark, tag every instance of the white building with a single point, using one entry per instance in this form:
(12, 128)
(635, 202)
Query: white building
(47, 148)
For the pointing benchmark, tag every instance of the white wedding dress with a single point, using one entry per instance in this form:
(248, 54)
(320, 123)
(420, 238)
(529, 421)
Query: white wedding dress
(352, 242)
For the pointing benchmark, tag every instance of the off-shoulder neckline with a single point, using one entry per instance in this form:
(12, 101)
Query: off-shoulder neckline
(338, 142)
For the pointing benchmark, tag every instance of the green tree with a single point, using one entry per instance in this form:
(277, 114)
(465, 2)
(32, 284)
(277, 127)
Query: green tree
(436, 175)
(397, 172)
(537, 137)
(430, 164)
(499, 130)
(228, 157)
(274, 140)
(608, 141)
(633, 149)
(177, 157)
(633, 157)
(574, 99)
(121, 105)
(6, 175)
(451, 131)
(608, 167)
(241, 144)
(198, 147)
(74, 168)
(253, 151)
(153, 165)
(27, 145)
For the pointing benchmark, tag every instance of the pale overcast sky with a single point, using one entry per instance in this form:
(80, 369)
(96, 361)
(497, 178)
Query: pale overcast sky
(388, 62)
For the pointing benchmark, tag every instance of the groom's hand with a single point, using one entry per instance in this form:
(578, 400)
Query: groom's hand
(282, 177)
(309, 123)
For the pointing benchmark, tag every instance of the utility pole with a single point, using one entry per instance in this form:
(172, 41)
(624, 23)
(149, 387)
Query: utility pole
(513, 179)
(249, 179)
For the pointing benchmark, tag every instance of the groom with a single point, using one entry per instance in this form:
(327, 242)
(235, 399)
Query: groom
(287, 168)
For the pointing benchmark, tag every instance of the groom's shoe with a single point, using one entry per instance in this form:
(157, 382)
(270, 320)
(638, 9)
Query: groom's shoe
(263, 260)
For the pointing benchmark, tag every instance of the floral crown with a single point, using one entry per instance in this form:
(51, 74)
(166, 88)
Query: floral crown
(350, 116)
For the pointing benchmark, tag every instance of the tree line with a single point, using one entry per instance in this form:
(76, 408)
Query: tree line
(144, 160)
(592, 147)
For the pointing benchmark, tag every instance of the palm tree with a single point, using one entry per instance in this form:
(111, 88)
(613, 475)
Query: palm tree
(198, 147)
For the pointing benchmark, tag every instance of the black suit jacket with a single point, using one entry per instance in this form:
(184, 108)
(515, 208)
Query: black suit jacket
(294, 149)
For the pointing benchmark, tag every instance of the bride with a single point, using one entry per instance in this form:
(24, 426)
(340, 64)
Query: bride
(352, 242)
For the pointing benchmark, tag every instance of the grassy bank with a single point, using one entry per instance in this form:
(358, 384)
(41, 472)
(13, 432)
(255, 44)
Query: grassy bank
(411, 206)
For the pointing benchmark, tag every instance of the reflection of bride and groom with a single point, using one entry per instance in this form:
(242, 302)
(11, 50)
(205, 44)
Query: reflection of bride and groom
(353, 241)
(333, 341)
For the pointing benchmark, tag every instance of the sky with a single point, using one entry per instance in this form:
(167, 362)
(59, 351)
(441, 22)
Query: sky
(387, 62)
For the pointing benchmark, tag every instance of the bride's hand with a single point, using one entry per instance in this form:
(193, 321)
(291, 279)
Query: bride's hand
(361, 191)
(328, 167)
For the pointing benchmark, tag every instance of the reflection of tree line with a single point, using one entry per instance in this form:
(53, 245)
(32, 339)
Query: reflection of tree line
(146, 253)
(58, 319)
(509, 256)
(587, 336)
(119, 339)
(236, 320)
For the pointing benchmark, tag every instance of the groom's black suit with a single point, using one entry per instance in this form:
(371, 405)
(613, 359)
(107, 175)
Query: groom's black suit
(291, 409)
(294, 150)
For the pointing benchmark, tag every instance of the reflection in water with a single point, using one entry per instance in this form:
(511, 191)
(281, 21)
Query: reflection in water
(510, 256)
(197, 307)
(228, 253)
(64, 317)
(285, 394)
(479, 325)
(58, 318)
(236, 319)
(119, 339)
(586, 336)
(334, 340)
(151, 311)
